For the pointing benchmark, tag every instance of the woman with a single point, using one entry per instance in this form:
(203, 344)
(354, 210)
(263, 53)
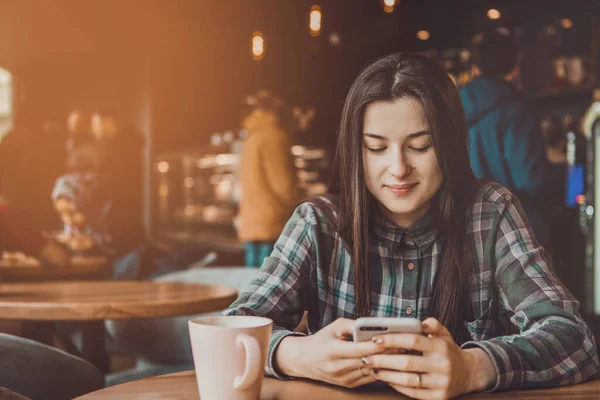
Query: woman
(267, 176)
(412, 233)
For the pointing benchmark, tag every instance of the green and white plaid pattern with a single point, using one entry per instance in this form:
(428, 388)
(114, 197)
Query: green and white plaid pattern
(554, 346)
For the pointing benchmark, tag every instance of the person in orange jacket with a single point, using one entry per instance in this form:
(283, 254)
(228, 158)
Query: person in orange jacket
(267, 176)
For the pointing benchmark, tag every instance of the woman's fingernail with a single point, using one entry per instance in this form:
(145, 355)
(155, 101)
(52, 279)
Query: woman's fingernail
(366, 360)
(377, 340)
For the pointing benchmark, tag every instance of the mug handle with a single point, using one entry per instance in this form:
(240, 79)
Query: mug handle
(253, 365)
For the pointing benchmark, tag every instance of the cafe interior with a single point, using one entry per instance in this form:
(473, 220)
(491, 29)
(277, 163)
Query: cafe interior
(121, 139)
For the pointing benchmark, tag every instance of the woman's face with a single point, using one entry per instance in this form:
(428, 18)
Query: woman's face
(400, 165)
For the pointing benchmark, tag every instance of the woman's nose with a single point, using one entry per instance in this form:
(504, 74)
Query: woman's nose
(399, 166)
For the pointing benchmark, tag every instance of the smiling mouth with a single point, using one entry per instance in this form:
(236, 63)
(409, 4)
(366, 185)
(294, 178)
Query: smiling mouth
(401, 190)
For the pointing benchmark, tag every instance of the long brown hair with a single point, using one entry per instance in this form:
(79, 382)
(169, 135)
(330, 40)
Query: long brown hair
(407, 75)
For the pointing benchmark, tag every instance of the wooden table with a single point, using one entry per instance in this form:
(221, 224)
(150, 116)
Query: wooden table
(95, 302)
(81, 268)
(183, 386)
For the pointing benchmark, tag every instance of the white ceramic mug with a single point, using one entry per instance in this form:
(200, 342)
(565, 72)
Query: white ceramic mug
(230, 353)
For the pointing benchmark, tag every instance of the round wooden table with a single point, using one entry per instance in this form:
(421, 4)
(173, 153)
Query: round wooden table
(81, 268)
(95, 302)
(183, 386)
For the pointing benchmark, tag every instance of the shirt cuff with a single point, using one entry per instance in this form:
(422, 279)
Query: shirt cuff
(506, 360)
(276, 337)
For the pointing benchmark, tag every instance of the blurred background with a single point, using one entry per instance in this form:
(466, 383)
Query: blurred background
(178, 73)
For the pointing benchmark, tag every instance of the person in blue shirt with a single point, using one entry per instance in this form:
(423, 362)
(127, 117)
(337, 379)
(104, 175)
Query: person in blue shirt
(505, 142)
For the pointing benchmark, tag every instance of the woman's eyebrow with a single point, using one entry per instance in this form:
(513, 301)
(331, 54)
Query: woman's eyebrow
(417, 134)
(374, 136)
(409, 136)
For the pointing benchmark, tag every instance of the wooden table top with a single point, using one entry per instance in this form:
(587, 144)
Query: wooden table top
(183, 386)
(88, 301)
(81, 268)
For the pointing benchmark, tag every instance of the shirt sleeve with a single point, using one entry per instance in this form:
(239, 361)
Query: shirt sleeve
(554, 345)
(280, 288)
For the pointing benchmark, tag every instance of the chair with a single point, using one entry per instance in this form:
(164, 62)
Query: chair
(38, 371)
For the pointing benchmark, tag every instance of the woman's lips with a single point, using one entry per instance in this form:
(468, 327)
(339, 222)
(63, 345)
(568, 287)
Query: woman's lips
(401, 190)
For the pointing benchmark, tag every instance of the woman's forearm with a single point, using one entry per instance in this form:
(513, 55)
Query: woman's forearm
(482, 374)
(288, 357)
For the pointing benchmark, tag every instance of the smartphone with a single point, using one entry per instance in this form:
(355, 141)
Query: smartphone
(368, 327)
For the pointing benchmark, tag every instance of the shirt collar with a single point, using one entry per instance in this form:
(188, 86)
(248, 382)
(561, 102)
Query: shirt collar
(422, 234)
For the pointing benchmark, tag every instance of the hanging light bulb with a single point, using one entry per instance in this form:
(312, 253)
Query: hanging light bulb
(314, 21)
(163, 167)
(566, 23)
(493, 14)
(423, 35)
(257, 46)
(389, 5)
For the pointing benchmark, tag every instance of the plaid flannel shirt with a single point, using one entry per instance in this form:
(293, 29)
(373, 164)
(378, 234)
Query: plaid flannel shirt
(554, 346)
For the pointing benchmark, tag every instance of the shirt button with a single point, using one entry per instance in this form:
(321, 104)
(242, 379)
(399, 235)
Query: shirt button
(408, 310)
(411, 266)
(407, 237)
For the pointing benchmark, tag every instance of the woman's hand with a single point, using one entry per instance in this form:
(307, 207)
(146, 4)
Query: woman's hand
(443, 371)
(328, 356)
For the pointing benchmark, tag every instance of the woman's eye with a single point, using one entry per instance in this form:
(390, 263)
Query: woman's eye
(376, 151)
(420, 149)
